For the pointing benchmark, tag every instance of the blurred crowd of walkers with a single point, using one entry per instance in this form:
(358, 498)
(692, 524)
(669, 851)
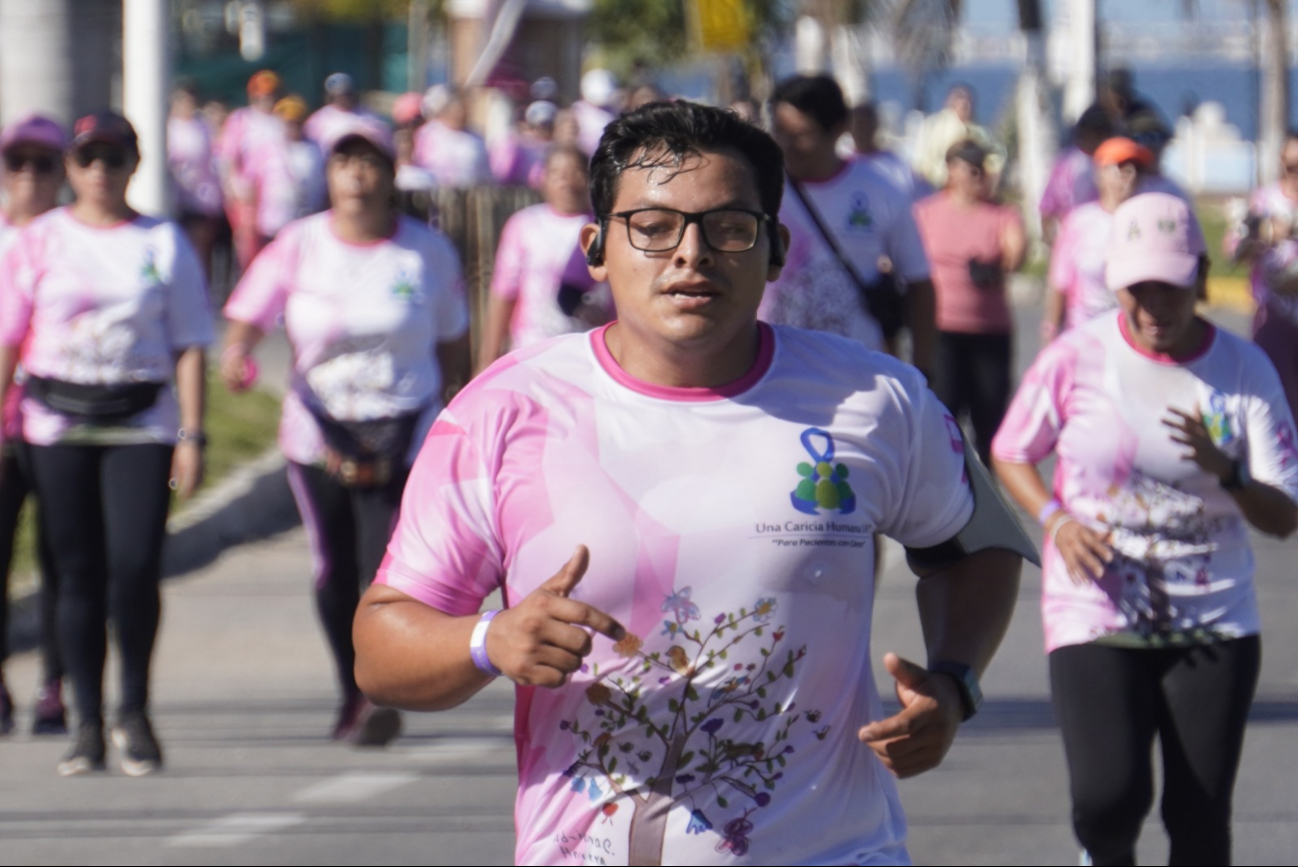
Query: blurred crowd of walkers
(1171, 435)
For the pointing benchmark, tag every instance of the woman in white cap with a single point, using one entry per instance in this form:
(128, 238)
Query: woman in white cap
(373, 306)
(1172, 438)
(108, 311)
(33, 174)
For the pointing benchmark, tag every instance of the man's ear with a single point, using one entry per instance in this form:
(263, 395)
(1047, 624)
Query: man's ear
(592, 245)
(777, 262)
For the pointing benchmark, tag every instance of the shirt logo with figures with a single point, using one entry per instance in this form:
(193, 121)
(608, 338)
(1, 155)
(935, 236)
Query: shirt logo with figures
(149, 270)
(824, 486)
(859, 216)
(1217, 420)
(406, 287)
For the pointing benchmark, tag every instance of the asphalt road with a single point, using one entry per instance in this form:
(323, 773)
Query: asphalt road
(244, 700)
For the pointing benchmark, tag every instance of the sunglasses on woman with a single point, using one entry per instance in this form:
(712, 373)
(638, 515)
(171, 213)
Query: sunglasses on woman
(41, 164)
(112, 157)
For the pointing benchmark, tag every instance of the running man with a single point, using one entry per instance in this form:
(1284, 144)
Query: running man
(680, 509)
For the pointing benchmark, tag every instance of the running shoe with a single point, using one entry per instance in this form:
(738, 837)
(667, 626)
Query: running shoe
(133, 735)
(365, 724)
(6, 710)
(51, 717)
(87, 753)
(348, 715)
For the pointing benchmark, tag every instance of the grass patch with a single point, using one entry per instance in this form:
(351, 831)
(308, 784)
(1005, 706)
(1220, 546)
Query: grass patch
(239, 427)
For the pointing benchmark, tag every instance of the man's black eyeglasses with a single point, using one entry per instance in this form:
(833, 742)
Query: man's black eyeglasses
(112, 157)
(41, 164)
(658, 230)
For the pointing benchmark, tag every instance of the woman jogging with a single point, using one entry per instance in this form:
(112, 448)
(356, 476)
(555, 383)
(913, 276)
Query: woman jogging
(1172, 438)
(108, 310)
(373, 306)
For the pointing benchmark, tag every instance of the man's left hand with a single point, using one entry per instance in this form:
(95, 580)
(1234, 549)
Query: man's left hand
(917, 738)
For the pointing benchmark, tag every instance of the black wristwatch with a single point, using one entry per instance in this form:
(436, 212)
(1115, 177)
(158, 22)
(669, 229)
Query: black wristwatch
(971, 695)
(1239, 476)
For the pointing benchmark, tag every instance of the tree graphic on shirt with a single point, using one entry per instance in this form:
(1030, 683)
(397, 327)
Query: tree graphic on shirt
(658, 738)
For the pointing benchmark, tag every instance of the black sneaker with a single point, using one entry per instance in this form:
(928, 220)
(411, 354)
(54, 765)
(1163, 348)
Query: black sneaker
(87, 753)
(133, 735)
(50, 717)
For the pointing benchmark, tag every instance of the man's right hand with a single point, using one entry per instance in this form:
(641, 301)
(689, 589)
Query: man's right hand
(540, 641)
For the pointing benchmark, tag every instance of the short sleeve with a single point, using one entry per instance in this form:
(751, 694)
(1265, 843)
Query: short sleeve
(507, 273)
(935, 501)
(17, 289)
(445, 550)
(1063, 265)
(1036, 414)
(260, 297)
(905, 247)
(1272, 444)
(189, 314)
(449, 307)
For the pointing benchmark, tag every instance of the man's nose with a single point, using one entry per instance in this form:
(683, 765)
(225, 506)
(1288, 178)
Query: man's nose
(693, 249)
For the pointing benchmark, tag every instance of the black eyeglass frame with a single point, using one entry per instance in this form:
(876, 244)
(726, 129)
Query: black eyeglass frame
(690, 217)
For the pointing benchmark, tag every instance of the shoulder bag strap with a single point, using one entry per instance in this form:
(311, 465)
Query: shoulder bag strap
(827, 235)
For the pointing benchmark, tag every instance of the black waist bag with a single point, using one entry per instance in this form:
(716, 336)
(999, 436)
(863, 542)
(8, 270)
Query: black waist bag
(96, 404)
(371, 452)
(886, 302)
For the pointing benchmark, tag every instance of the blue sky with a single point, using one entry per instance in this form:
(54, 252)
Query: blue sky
(997, 15)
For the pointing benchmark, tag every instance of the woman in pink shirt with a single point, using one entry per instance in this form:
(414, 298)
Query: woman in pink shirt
(373, 305)
(32, 148)
(972, 245)
(107, 311)
(1172, 438)
(541, 287)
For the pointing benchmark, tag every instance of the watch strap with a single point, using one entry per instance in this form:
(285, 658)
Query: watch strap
(971, 694)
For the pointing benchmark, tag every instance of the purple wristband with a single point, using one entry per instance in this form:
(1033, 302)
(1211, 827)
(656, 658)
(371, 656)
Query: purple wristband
(1047, 510)
(478, 645)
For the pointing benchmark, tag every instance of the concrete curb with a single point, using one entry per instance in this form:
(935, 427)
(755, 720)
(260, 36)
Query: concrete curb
(253, 502)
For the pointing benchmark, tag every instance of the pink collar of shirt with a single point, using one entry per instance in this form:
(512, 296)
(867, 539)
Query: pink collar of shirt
(765, 355)
(1209, 338)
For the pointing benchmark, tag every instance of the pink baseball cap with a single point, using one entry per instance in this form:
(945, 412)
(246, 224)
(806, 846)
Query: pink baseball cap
(371, 129)
(34, 129)
(408, 108)
(1156, 237)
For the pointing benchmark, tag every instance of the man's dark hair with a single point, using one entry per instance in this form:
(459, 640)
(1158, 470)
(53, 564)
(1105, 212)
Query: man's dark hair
(817, 96)
(665, 133)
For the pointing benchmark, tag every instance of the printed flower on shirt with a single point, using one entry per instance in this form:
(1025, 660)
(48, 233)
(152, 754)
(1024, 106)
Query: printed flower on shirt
(659, 737)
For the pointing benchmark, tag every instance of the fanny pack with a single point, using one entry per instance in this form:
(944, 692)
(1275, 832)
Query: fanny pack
(371, 452)
(884, 299)
(96, 404)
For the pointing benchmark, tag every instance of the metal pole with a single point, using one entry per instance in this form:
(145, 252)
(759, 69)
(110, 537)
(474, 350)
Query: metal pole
(145, 83)
(1079, 91)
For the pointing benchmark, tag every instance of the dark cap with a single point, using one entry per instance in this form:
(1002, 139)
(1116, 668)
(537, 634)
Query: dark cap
(107, 127)
(969, 151)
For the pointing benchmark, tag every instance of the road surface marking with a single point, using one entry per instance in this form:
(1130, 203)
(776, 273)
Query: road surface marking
(352, 788)
(236, 828)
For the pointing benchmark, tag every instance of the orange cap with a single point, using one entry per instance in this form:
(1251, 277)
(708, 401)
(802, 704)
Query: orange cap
(291, 108)
(263, 83)
(1119, 150)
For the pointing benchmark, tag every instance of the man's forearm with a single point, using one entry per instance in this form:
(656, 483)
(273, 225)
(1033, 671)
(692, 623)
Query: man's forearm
(411, 656)
(965, 608)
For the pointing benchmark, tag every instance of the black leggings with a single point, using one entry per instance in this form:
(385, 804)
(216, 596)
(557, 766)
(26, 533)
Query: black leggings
(1112, 701)
(15, 486)
(105, 510)
(973, 376)
(348, 529)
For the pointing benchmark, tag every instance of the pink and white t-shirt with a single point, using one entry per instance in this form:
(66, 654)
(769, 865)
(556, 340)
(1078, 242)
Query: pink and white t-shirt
(731, 534)
(870, 218)
(364, 322)
(247, 131)
(289, 180)
(538, 253)
(197, 186)
(1183, 567)
(457, 158)
(102, 306)
(1077, 264)
(1071, 183)
(1271, 202)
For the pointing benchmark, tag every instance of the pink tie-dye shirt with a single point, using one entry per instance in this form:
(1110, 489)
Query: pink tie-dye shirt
(538, 253)
(364, 321)
(102, 306)
(731, 532)
(1077, 264)
(1183, 567)
(1271, 202)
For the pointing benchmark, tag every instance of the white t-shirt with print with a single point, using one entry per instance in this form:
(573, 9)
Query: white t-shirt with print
(364, 322)
(870, 218)
(1077, 264)
(1183, 566)
(102, 306)
(731, 533)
